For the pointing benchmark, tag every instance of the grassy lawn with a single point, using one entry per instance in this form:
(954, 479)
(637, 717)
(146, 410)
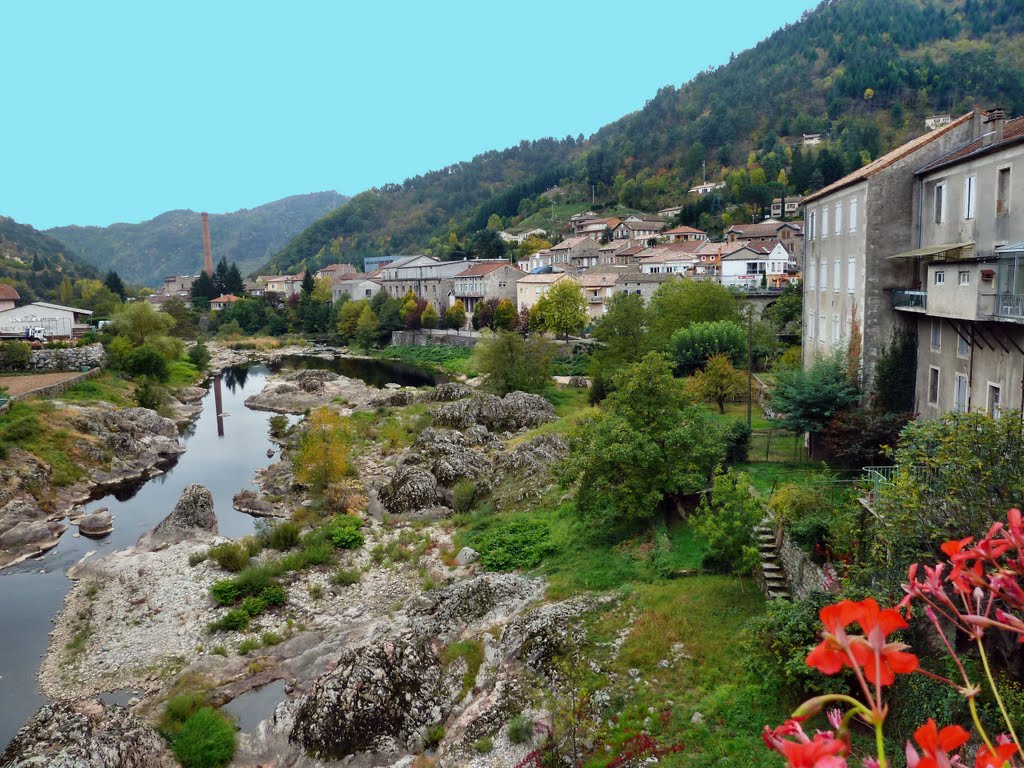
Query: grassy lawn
(448, 359)
(107, 387)
(37, 427)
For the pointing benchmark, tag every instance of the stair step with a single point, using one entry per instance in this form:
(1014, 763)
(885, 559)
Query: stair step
(770, 566)
(778, 595)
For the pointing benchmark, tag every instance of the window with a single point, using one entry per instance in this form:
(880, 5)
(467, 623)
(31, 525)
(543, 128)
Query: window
(812, 270)
(963, 346)
(839, 219)
(969, 194)
(933, 385)
(940, 203)
(853, 215)
(810, 225)
(1002, 192)
(960, 393)
(992, 404)
(810, 326)
(821, 327)
(940, 277)
(963, 277)
(824, 223)
(936, 340)
(851, 274)
(824, 275)
(836, 273)
(835, 327)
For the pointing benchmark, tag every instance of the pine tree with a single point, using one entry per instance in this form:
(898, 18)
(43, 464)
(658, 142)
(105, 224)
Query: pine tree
(233, 283)
(308, 283)
(203, 289)
(220, 277)
(115, 284)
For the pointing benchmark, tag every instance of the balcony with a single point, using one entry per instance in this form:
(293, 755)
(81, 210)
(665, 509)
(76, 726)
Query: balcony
(595, 299)
(1010, 306)
(913, 301)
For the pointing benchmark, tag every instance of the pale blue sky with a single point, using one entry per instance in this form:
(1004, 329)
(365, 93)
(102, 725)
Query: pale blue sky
(120, 111)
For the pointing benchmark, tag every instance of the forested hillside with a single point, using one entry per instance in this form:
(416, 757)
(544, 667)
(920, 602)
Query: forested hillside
(35, 263)
(172, 242)
(864, 73)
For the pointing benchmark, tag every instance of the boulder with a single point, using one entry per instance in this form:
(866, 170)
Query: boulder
(483, 600)
(397, 399)
(525, 410)
(517, 410)
(449, 391)
(411, 488)
(192, 516)
(313, 380)
(467, 556)
(86, 735)
(378, 697)
(538, 454)
(96, 525)
(535, 638)
(30, 538)
(253, 504)
(578, 382)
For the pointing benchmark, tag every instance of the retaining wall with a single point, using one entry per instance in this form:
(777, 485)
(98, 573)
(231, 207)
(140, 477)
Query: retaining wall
(70, 359)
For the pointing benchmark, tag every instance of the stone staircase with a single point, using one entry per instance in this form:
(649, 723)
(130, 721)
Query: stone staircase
(774, 577)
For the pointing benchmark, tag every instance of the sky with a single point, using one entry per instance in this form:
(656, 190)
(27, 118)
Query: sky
(117, 111)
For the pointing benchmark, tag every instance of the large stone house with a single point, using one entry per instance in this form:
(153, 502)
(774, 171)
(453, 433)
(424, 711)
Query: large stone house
(758, 264)
(530, 288)
(427, 277)
(853, 227)
(483, 281)
(576, 253)
(356, 287)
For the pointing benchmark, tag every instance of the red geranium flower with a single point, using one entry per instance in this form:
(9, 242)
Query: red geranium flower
(988, 759)
(823, 751)
(830, 655)
(936, 745)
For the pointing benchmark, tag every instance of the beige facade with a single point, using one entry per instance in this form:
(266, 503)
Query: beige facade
(529, 289)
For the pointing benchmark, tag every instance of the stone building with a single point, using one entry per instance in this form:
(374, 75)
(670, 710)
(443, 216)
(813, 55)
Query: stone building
(483, 281)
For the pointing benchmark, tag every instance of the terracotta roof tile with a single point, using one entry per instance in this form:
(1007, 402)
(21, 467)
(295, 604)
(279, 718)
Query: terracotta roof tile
(1013, 132)
(478, 270)
(7, 292)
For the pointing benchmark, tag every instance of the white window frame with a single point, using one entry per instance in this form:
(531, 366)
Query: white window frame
(935, 337)
(994, 411)
(810, 326)
(810, 225)
(958, 379)
(970, 196)
(839, 218)
(836, 332)
(851, 274)
(821, 327)
(824, 274)
(853, 215)
(812, 274)
(824, 222)
(934, 369)
(963, 277)
(836, 271)
(939, 277)
(939, 204)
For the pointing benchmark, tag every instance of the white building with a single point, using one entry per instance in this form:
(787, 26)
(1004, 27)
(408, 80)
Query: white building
(57, 321)
(753, 264)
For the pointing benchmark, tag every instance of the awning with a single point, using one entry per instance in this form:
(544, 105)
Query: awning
(1011, 248)
(931, 250)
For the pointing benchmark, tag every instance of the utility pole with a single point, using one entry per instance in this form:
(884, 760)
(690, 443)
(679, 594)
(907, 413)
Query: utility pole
(750, 365)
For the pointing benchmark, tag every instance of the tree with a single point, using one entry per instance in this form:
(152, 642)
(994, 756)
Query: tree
(725, 519)
(483, 314)
(564, 308)
(199, 355)
(896, 373)
(366, 328)
(322, 291)
(505, 316)
(678, 303)
(220, 277)
(430, 318)
(809, 399)
(455, 316)
(691, 347)
(233, 282)
(184, 322)
(719, 381)
(348, 319)
(114, 283)
(139, 322)
(494, 222)
(308, 283)
(203, 290)
(510, 363)
(621, 333)
(648, 444)
(322, 457)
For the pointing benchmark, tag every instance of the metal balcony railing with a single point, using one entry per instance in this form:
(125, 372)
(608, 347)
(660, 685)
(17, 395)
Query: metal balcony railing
(910, 300)
(1009, 305)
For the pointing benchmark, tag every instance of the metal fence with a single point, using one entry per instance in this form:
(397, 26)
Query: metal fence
(777, 445)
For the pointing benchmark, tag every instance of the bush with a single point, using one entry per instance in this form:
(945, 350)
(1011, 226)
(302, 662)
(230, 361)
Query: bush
(693, 345)
(519, 543)
(14, 355)
(207, 740)
(520, 730)
(198, 557)
(343, 532)
(224, 592)
(284, 535)
(235, 620)
(464, 495)
(433, 735)
(725, 519)
(253, 580)
(345, 577)
(510, 363)
(150, 394)
(178, 710)
(737, 442)
(230, 556)
(274, 595)
(199, 355)
(147, 360)
(278, 425)
(483, 746)
(247, 646)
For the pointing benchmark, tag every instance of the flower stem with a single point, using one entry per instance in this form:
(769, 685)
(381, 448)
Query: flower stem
(977, 724)
(880, 745)
(999, 699)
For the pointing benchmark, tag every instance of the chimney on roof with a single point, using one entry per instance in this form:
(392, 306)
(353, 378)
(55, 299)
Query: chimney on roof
(207, 251)
(995, 119)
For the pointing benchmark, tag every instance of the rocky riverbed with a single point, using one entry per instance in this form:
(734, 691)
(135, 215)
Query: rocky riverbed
(368, 673)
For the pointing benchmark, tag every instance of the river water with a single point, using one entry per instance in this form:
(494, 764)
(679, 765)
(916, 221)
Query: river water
(223, 456)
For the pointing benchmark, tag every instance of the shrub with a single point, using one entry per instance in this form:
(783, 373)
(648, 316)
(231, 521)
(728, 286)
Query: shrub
(343, 532)
(178, 710)
(247, 646)
(278, 425)
(519, 543)
(274, 595)
(199, 355)
(737, 442)
(510, 363)
(725, 519)
(270, 638)
(14, 355)
(433, 735)
(252, 606)
(253, 580)
(316, 591)
(693, 345)
(520, 730)
(230, 556)
(484, 745)
(150, 394)
(207, 740)
(284, 535)
(464, 495)
(235, 620)
(345, 577)
(316, 551)
(198, 557)
(224, 592)
(147, 360)
(219, 650)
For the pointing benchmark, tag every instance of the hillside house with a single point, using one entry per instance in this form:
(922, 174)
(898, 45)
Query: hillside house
(427, 277)
(707, 188)
(669, 261)
(519, 238)
(854, 226)
(638, 228)
(530, 288)
(937, 121)
(222, 302)
(599, 285)
(757, 265)
(641, 284)
(8, 297)
(576, 253)
(685, 234)
(488, 280)
(285, 285)
(790, 204)
(361, 285)
(335, 271)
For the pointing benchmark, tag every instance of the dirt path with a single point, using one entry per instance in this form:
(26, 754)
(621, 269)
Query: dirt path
(19, 385)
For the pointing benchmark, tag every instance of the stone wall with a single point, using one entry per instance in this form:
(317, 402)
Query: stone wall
(426, 338)
(70, 359)
(802, 575)
(52, 390)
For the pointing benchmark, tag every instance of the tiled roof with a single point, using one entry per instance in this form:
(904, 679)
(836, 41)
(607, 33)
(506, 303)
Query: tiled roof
(764, 229)
(597, 279)
(227, 297)
(572, 242)
(7, 292)
(888, 159)
(549, 277)
(684, 231)
(1013, 132)
(478, 270)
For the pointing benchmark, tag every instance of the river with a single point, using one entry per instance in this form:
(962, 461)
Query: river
(223, 457)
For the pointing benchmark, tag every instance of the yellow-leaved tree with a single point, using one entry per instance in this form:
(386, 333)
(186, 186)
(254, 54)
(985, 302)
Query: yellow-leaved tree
(322, 458)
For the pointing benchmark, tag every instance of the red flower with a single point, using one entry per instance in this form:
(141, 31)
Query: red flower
(988, 759)
(936, 745)
(830, 655)
(952, 548)
(823, 751)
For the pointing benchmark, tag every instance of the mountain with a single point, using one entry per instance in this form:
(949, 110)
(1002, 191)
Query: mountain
(172, 242)
(35, 263)
(862, 73)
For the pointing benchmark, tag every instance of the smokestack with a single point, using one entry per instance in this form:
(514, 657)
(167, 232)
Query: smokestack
(207, 252)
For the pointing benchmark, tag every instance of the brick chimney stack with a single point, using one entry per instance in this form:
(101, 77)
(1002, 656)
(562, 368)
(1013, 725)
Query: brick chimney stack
(207, 251)
(995, 119)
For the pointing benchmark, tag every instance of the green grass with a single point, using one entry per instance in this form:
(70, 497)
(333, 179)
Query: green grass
(182, 373)
(764, 476)
(443, 357)
(35, 426)
(542, 218)
(107, 387)
(470, 650)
